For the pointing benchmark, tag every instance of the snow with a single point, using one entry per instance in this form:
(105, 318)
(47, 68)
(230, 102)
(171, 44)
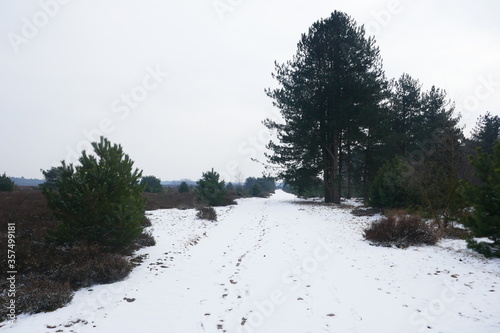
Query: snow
(284, 265)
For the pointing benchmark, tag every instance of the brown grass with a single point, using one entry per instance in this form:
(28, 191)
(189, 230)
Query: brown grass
(401, 231)
(168, 200)
(174, 199)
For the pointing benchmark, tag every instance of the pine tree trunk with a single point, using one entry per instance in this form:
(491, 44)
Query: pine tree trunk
(349, 172)
(331, 171)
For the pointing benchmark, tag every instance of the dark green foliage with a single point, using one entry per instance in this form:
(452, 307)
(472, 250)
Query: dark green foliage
(211, 190)
(484, 198)
(487, 249)
(230, 187)
(51, 176)
(152, 184)
(435, 177)
(391, 186)
(406, 114)
(401, 231)
(260, 186)
(183, 188)
(100, 200)
(256, 190)
(6, 184)
(305, 185)
(207, 213)
(329, 97)
(487, 132)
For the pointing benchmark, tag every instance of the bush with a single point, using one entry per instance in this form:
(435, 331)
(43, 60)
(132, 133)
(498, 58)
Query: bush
(210, 190)
(99, 201)
(6, 184)
(390, 188)
(207, 213)
(152, 184)
(402, 231)
(90, 265)
(183, 188)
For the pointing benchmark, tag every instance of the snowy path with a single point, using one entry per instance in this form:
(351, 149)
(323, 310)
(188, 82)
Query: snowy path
(284, 265)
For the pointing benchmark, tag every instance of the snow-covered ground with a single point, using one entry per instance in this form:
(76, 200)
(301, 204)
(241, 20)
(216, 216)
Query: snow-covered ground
(284, 265)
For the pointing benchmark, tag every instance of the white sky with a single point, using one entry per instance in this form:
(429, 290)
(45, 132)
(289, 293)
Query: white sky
(72, 73)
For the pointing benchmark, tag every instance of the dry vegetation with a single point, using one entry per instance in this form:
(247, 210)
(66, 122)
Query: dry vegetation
(207, 213)
(401, 230)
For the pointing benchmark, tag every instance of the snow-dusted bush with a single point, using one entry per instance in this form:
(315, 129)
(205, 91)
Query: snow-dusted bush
(402, 231)
(207, 213)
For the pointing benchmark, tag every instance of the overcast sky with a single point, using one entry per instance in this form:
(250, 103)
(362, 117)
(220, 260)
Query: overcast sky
(180, 84)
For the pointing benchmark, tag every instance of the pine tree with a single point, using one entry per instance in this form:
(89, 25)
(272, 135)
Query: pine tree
(98, 201)
(183, 188)
(487, 132)
(334, 80)
(390, 187)
(485, 197)
(51, 176)
(6, 184)
(210, 189)
(438, 114)
(152, 184)
(406, 112)
(436, 157)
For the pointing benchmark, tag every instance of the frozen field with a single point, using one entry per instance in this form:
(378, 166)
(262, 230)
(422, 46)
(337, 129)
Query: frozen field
(284, 265)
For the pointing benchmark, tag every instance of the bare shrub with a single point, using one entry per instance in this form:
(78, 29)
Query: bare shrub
(207, 213)
(402, 231)
(90, 265)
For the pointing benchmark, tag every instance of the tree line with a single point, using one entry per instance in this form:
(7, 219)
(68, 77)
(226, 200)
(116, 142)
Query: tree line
(347, 130)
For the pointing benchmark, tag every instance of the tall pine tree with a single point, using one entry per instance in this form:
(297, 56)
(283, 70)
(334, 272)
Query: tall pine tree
(326, 91)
